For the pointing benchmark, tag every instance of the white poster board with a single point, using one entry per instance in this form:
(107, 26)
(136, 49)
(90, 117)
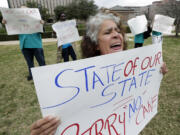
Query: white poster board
(157, 39)
(4, 4)
(110, 94)
(163, 24)
(138, 24)
(66, 32)
(22, 20)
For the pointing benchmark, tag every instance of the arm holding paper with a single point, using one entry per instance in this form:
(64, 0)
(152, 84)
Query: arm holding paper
(28, 41)
(65, 32)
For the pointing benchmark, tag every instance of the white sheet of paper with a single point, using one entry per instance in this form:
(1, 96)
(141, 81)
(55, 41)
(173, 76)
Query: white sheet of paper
(138, 24)
(163, 24)
(157, 39)
(4, 4)
(66, 32)
(117, 90)
(22, 20)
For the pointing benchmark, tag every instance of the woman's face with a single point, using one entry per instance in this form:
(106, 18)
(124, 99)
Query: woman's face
(110, 39)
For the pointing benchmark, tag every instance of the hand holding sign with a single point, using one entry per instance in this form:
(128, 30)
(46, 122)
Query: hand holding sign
(45, 126)
(122, 86)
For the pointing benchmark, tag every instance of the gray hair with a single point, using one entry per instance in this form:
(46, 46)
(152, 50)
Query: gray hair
(94, 22)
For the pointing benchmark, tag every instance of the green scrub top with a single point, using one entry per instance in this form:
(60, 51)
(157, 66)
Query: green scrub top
(139, 38)
(156, 33)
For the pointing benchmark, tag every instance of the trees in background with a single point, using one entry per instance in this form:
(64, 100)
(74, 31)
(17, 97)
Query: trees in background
(43, 11)
(58, 10)
(79, 9)
(169, 8)
(0, 17)
(172, 9)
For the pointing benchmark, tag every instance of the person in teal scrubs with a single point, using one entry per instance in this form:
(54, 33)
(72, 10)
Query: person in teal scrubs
(66, 49)
(138, 40)
(31, 46)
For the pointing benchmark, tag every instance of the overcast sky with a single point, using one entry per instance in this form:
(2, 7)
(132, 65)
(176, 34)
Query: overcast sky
(107, 3)
(111, 3)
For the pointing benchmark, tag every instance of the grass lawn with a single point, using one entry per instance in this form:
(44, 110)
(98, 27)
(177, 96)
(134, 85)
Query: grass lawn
(19, 106)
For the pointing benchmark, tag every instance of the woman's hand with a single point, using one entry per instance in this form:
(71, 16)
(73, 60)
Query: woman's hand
(164, 69)
(42, 21)
(45, 126)
(4, 21)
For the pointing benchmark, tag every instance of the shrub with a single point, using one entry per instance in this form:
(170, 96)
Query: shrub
(5, 37)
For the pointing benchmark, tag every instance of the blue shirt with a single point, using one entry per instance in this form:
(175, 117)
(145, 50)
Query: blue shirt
(66, 45)
(139, 38)
(156, 33)
(30, 40)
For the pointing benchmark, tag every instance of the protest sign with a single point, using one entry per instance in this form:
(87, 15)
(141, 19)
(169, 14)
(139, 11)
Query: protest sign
(138, 24)
(4, 4)
(114, 94)
(66, 32)
(163, 24)
(22, 20)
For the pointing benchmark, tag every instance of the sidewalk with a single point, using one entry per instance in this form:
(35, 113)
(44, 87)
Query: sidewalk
(46, 40)
(16, 42)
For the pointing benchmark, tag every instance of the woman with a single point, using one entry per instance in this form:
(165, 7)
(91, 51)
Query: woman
(31, 46)
(66, 49)
(104, 35)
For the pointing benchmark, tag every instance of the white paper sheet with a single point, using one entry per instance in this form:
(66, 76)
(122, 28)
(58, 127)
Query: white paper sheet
(163, 24)
(138, 24)
(22, 20)
(66, 32)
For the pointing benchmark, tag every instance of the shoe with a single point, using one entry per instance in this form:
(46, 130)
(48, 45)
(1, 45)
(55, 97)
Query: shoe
(29, 78)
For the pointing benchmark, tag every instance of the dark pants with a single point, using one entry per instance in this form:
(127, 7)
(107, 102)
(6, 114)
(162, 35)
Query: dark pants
(29, 54)
(138, 45)
(68, 51)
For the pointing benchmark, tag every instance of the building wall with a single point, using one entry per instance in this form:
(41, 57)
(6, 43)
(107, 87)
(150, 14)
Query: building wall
(50, 4)
(125, 15)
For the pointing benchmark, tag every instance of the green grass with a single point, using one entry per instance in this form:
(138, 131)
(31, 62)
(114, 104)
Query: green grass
(19, 106)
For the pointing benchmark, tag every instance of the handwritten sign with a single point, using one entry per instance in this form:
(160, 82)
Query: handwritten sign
(114, 94)
(22, 20)
(163, 24)
(66, 32)
(138, 24)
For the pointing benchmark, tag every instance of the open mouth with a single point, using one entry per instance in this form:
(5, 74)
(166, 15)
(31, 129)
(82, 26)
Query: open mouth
(116, 46)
